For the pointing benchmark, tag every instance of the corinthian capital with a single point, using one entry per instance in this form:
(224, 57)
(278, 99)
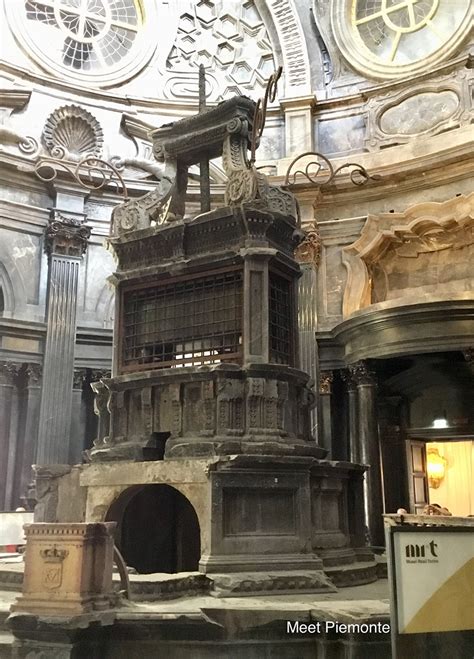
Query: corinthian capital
(361, 373)
(309, 249)
(66, 236)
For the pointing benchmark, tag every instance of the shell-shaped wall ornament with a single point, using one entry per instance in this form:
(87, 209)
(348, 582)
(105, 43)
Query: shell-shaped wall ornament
(72, 133)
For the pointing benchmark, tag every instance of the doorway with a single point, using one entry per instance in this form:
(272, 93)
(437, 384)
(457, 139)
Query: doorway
(157, 529)
(450, 469)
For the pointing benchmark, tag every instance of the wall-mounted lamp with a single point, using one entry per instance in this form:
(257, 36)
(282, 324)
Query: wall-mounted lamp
(436, 467)
(441, 422)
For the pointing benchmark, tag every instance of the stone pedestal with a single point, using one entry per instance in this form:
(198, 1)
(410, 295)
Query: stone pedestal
(68, 569)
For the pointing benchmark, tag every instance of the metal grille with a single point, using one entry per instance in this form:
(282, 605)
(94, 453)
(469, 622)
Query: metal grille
(281, 320)
(185, 323)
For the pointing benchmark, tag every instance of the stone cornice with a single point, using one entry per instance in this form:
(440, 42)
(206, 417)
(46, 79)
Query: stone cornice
(386, 330)
(14, 97)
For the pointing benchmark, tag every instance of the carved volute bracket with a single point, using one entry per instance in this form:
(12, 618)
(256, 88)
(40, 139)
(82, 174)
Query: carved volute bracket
(66, 236)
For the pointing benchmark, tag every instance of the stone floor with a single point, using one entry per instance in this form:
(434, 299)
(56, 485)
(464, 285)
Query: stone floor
(238, 615)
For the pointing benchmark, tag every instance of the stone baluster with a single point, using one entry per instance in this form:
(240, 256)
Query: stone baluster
(65, 241)
(369, 453)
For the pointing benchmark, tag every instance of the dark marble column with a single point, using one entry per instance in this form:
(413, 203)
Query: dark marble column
(307, 254)
(369, 453)
(65, 241)
(8, 376)
(325, 422)
(28, 441)
(352, 416)
(77, 433)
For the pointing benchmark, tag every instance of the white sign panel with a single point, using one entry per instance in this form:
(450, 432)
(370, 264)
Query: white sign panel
(434, 574)
(11, 527)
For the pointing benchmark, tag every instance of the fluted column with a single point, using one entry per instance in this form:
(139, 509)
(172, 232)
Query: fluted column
(66, 242)
(8, 376)
(307, 254)
(369, 453)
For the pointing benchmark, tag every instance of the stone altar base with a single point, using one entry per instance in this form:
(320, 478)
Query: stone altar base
(267, 524)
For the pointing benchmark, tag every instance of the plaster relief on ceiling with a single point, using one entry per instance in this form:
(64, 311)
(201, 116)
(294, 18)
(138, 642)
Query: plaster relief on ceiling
(229, 39)
(426, 251)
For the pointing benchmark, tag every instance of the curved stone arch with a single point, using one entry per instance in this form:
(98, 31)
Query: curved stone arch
(101, 499)
(292, 43)
(425, 227)
(12, 285)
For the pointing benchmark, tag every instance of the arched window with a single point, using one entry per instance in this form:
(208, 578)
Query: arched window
(2, 302)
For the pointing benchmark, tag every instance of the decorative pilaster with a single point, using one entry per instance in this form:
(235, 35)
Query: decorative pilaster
(298, 124)
(308, 254)
(65, 242)
(8, 376)
(369, 453)
(325, 425)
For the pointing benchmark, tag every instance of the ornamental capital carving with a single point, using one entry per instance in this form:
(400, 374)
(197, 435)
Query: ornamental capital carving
(326, 379)
(9, 372)
(469, 357)
(361, 373)
(348, 379)
(79, 377)
(66, 236)
(309, 249)
(98, 374)
(33, 372)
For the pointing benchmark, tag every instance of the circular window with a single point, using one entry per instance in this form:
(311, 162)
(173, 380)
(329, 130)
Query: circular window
(391, 38)
(99, 41)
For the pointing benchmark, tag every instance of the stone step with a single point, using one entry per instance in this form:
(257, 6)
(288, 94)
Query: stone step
(6, 640)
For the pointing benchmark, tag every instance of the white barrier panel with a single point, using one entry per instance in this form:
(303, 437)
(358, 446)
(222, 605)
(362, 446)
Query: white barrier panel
(435, 580)
(11, 527)
(431, 577)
